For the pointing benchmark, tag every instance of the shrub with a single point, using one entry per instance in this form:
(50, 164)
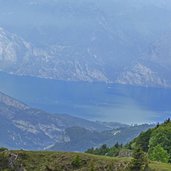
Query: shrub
(76, 163)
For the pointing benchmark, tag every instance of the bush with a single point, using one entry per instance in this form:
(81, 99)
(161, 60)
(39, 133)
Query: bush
(76, 163)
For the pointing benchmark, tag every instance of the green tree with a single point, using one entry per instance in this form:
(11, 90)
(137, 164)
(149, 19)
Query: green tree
(113, 151)
(139, 161)
(162, 136)
(90, 150)
(3, 149)
(159, 154)
(142, 141)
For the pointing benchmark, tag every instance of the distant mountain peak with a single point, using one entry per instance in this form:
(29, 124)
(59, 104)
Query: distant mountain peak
(13, 49)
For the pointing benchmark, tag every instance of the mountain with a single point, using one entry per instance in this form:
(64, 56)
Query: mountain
(20, 57)
(114, 41)
(23, 127)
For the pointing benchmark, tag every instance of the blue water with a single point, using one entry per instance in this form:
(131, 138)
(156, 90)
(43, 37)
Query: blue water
(94, 101)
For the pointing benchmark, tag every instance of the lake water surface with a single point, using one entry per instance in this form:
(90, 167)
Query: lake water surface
(94, 101)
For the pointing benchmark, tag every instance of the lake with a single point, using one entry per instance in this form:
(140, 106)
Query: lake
(93, 101)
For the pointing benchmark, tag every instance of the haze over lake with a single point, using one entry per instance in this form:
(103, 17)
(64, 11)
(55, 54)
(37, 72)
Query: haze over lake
(93, 101)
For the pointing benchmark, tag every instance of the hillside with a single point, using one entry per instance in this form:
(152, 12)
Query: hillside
(23, 127)
(59, 161)
(151, 145)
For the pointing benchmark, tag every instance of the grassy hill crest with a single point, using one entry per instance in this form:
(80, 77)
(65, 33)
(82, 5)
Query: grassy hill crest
(60, 161)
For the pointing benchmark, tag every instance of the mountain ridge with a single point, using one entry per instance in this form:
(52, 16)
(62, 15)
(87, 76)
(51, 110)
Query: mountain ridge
(16, 53)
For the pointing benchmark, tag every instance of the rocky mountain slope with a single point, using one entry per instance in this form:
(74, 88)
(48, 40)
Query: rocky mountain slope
(114, 41)
(22, 127)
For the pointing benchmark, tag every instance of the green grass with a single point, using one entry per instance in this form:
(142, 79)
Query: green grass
(157, 166)
(60, 161)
